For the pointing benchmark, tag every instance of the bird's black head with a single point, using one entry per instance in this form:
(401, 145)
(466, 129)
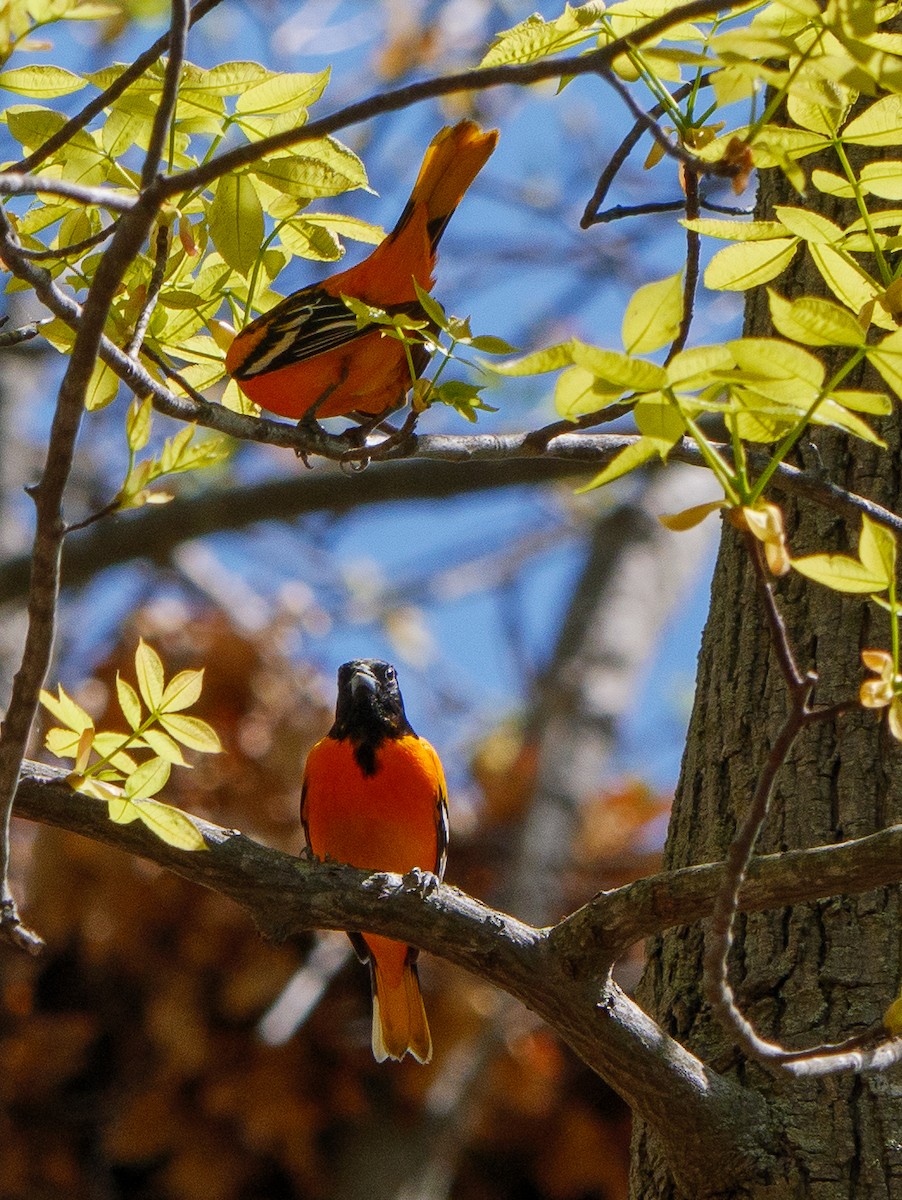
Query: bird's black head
(369, 708)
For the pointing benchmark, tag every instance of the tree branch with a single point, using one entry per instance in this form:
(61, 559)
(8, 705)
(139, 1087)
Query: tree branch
(286, 896)
(14, 184)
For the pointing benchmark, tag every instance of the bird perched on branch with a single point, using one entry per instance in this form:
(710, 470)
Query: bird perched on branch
(307, 357)
(374, 796)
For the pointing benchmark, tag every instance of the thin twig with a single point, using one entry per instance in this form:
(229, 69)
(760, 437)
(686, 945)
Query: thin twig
(591, 215)
(157, 278)
(620, 212)
(180, 23)
(24, 333)
(693, 251)
(107, 97)
(76, 249)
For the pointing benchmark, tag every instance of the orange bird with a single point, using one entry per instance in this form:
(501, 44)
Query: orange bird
(374, 796)
(306, 356)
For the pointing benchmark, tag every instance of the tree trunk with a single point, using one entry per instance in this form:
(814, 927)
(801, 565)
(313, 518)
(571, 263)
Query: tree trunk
(816, 972)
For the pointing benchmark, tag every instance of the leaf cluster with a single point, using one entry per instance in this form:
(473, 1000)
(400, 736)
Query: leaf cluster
(127, 770)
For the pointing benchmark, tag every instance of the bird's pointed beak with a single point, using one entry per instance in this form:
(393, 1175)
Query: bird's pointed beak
(363, 679)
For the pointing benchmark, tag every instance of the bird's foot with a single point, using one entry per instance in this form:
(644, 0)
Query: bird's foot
(424, 883)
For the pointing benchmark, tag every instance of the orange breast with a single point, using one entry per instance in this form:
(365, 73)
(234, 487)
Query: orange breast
(387, 821)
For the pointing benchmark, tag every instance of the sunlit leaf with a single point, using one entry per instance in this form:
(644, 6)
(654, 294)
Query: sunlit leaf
(840, 572)
(41, 81)
(171, 825)
(182, 691)
(235, 220)
(636, 454)
(147, 779)
(653, 315)
(192, 732)
(65, 709)
(128, 701)
(815, 322)
(149, 670)
(738, 268)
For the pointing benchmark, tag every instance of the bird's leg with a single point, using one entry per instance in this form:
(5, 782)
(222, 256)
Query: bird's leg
(310, 427)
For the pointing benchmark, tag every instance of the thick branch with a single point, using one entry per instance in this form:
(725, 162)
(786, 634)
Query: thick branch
(286, 896)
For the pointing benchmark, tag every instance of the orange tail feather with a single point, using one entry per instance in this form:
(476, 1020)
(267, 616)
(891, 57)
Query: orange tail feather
(399, 1018)
(454, 158)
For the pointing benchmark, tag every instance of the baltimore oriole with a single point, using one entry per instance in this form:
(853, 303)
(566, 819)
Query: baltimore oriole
(306, 356)
(374, 796)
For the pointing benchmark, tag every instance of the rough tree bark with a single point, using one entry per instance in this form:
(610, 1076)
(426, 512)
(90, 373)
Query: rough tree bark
(813, 972)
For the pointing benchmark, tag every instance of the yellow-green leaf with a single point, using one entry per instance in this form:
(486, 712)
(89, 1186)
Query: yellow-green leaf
(147, 779)
(883, 179)
(887, 358)
(128, 701)
(282, 93)
(736, 231)
(831, 184)
(192, 732)
(149, 670)
(840, 572)
(653, 315)
(164, 746)
(815, 322)
(235, 220)
(42, 82)
(103, 387)
(808, 225)
(659, 420)
(182, 691)
(618, 370)
(171, 825)
(636, 454)
(575, 393)
(552, 358)
(879, 125)
(738, 268)
(64, 708)
(877, 549)
(692, 368)
(849, 282)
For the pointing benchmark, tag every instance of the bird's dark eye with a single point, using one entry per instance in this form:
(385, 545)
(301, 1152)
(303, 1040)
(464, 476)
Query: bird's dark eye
(390, 675)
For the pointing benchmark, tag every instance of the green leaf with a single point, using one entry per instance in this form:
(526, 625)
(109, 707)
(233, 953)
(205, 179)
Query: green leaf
(319, 168)
(171, 825)
(736, 231)
(128, 702)
(575, 393)
(808, 225)
(768, 359)
(883, 179)
(192, 732)
(306, 240)
(876, 403)
(831, 184)
(235, 221)
(653, 315)
(877, 549)
(64, 708)
(879, 125)
(182, 691)
(552, 358)
(103, 387)
(849, 282)
(659, 420)
(537, 38)
(618, 370)
(887, 358)
(630, 457)
(840, 572)
(488, 344)
(164, 747)
(149, 671)
(815, 322)
(738, 268)
(42, 82)
(693, 368)
(138, 424)
(282, 93)
(349, 227)
(147, 779)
